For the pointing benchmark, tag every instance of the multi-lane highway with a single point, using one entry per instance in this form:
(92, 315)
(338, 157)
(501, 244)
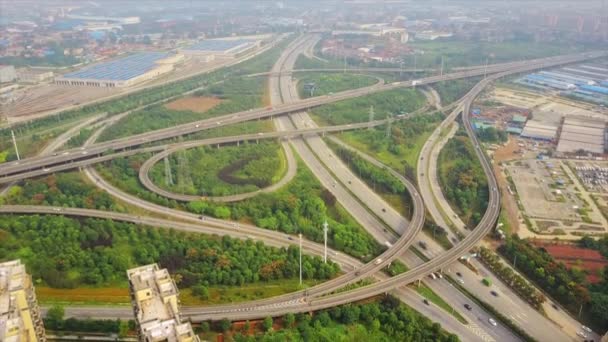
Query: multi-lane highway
(297, 106)
(321, 296)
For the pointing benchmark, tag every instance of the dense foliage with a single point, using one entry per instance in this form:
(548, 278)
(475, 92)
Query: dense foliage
(387, 321)
(62, 189)
(66, 253)
(600, 244)
(492, 135)
(211, 171)
(393, 102)
(55, 321)
(451, 91)
(368, 172)
(300, 206)
(462, 179)
(568, 286)
(326, 83)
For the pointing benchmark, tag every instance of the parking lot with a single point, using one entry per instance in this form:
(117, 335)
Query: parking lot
(550, 200)
(593, 175)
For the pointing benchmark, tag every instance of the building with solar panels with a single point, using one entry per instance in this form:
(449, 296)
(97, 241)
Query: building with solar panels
(123, 72)
(220, 48)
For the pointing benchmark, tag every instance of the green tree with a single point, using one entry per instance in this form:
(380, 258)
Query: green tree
(225, 324)
(54, 317)
(267, 324)
(289, 319)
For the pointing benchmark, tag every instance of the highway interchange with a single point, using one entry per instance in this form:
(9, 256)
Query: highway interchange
(380, 219)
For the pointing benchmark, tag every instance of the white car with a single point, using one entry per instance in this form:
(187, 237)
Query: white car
(581, 334)
(587, 329)
(492, 321)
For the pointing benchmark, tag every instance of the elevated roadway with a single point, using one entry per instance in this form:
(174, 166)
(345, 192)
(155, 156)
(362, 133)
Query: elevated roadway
(98, 158)
(166, 133)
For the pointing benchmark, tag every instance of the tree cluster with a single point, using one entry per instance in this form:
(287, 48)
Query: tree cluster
(463, 180)
(515, 281)
(62, 189)
(388, 320)
(568, 286)
(300, 207)
(66, 253)
(492, 135)
(370, 173)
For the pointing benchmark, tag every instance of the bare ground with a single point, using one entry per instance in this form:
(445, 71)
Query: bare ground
(194, 104)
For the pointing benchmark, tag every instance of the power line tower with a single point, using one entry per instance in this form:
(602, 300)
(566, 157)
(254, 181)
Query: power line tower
(389, 124)
(184, 180)
(168, 174)
(371, 117)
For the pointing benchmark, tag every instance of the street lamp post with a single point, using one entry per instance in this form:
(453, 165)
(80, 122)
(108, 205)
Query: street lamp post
(300, 236)
(325, 241)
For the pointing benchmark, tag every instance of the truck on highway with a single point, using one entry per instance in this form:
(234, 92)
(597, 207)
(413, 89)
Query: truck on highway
(378, 261)
(487, 282)
(415, 82)
(388, 244)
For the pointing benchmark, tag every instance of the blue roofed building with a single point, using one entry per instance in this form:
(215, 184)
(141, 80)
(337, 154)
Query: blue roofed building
(123, 72)
(220, 48)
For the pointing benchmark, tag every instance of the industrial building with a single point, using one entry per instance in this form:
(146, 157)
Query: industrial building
(582, 134)
(123, 72)
(539, 131)
(34, 76)
(20, 318)
(154, 297)
(220, 48)
(7, 73)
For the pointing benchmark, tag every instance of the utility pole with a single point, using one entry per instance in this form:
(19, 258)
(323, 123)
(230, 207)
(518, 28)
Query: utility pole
(485, 69)
(371, 117)
(325, 241)
(168, 175)
(441, 67)
(389, 121)
(15, 144)
(300, 236)
(414, 74)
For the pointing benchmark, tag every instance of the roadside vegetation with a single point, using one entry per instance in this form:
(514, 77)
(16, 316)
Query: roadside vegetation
(393, 102)
(62, 252)
(61, 189)
(210, 171)
(400, 151)
(513, 280)
(568, 286)
(327, 83)
(434, 298)
(461, 53)
(380, 180)
(386, 320)
(453, 90)
(462, 179)
(300, 206)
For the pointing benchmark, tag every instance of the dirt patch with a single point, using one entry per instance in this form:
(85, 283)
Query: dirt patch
(194, 104)
(573, 256)
(508, 201)
(102, 295)
(507, 152)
